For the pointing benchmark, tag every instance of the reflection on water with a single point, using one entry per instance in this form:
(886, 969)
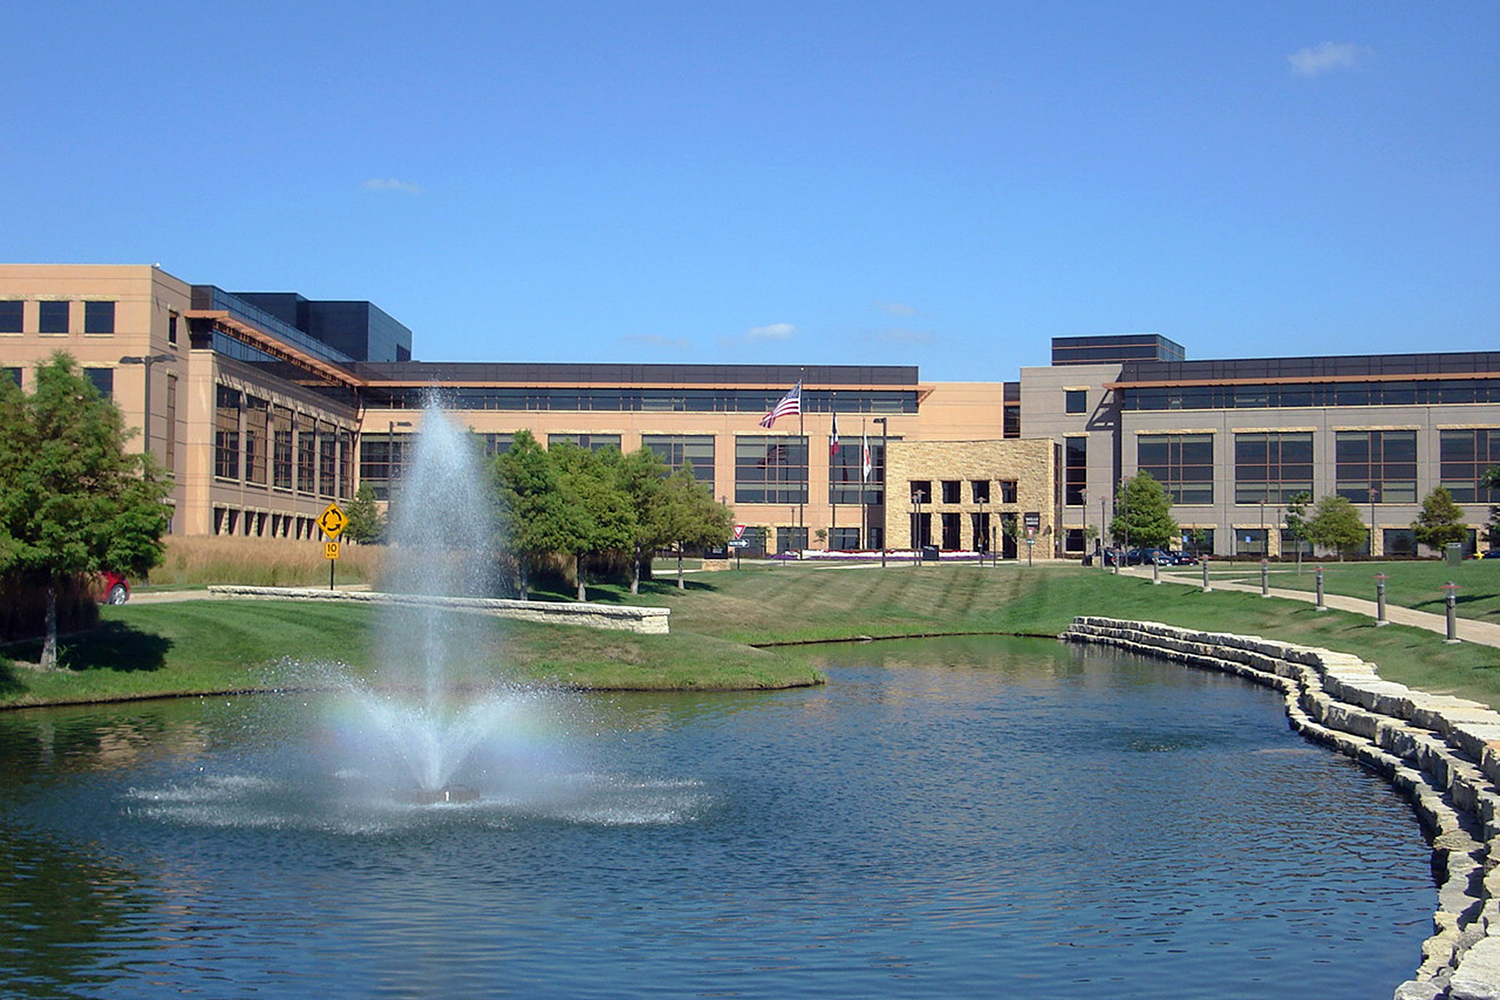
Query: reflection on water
(945, 818)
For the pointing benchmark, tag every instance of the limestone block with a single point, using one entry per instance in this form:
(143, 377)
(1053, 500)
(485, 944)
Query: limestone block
(1478, 974)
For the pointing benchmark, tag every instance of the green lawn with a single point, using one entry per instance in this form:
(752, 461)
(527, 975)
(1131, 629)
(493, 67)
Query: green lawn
(717, 623)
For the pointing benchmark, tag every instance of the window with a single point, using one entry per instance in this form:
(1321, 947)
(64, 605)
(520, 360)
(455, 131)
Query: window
(103, 380)
(52, 317)
(496, 444)
(1073, 540)
(1464, 455)
(171, 451)
(1182, 463)
(381, 458)
(980, 526)
(307, 457)
(1272, 467)
(281, 448)
(1376, 466)
(98, 317)
(679, 451)
(791, 539)
(1399, 542)
(589, 442)
(847, 483)
(1008, 491)
(1075, 400)
(919, 490)
(11, 315)
(227, 434)
(843, 539)
(1075, 470)
(1251, 541)
(172, 329)
(346, 464)
(257, 412)
(952, 491)
(328, 463)
(951, 524)
(15, 373)
(770, 469)
(979, 490)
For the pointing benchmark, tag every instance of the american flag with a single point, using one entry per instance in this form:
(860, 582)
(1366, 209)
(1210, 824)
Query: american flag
(790, 406)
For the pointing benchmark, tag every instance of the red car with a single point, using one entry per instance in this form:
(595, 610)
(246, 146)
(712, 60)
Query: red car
(113, 588)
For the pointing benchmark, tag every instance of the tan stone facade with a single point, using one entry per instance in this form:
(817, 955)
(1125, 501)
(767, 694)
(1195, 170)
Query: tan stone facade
(963, 494)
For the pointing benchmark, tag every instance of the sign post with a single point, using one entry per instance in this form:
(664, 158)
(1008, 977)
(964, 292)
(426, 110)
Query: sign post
(332, 521)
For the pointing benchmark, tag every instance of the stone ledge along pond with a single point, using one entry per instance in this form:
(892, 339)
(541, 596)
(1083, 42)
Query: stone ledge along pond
(946, 818)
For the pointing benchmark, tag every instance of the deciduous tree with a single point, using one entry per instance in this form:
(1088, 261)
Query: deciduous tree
(72, 500)
(1335, 525)
(1441, 520)
(1143, 513)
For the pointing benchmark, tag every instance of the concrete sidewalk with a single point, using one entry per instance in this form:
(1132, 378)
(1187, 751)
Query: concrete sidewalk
(1469, 630)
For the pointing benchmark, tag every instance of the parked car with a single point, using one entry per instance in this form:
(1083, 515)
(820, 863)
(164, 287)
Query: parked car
(1111, 557)
(113, 588)
(1183, 559)
(1491, 554)
(1146, 556)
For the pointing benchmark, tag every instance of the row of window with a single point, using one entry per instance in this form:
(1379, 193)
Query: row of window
(257, 442)
(56, 316)
(1273, 396)
(1370, 466)
(613, 399)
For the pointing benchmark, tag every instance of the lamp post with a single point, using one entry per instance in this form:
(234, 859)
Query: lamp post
(1103, 530)
(884, 498)
(146, 361)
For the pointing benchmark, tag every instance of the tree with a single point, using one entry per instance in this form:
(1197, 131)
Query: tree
(692, 516)
(1143, 513)
(604, 518)
(643, 475)
(1441, 520)
(1335, 524)
(366, 524)
(535, 518)
(72, 501)
(1296, 521)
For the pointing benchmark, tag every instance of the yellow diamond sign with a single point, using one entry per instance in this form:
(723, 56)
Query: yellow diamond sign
(333, 521)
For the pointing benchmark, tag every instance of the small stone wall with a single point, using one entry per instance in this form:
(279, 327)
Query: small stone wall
(1442, 752)
(646, 621)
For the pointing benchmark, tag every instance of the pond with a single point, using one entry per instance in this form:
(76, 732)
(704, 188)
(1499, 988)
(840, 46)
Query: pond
(945, 818)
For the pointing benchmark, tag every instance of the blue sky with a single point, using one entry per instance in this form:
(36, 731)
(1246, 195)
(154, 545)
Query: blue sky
(943, 184)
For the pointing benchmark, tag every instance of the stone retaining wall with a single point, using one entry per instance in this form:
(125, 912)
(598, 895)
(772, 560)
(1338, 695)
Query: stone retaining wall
(647, 621)
(1443, 753)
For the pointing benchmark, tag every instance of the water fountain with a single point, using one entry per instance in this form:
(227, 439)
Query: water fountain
(434, 701)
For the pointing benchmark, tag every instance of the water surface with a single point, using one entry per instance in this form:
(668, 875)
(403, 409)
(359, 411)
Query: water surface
(971, 817)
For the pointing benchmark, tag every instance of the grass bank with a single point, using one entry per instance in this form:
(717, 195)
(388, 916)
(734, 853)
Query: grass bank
(717, 622)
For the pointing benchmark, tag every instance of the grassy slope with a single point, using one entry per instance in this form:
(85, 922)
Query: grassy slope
(213, 645)
(193, 647)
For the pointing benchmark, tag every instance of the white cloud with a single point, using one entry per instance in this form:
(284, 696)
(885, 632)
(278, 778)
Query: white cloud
(775, 331)
(1325, 58)
(896, 308)
(390, 184)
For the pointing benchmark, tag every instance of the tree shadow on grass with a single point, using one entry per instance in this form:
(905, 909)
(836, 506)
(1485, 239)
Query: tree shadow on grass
(110, 646)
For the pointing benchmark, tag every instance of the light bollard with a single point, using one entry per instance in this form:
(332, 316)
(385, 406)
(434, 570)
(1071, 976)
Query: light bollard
(1321, 606)
(1206, 587)
(1380, 618)
(1155, 571)
(1450, 590)
(1265, 577)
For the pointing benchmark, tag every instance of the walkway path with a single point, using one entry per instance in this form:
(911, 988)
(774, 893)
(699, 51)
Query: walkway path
(1469, 630)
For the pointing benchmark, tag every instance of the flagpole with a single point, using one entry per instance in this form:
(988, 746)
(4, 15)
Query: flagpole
(833, 456)
(802, 433)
